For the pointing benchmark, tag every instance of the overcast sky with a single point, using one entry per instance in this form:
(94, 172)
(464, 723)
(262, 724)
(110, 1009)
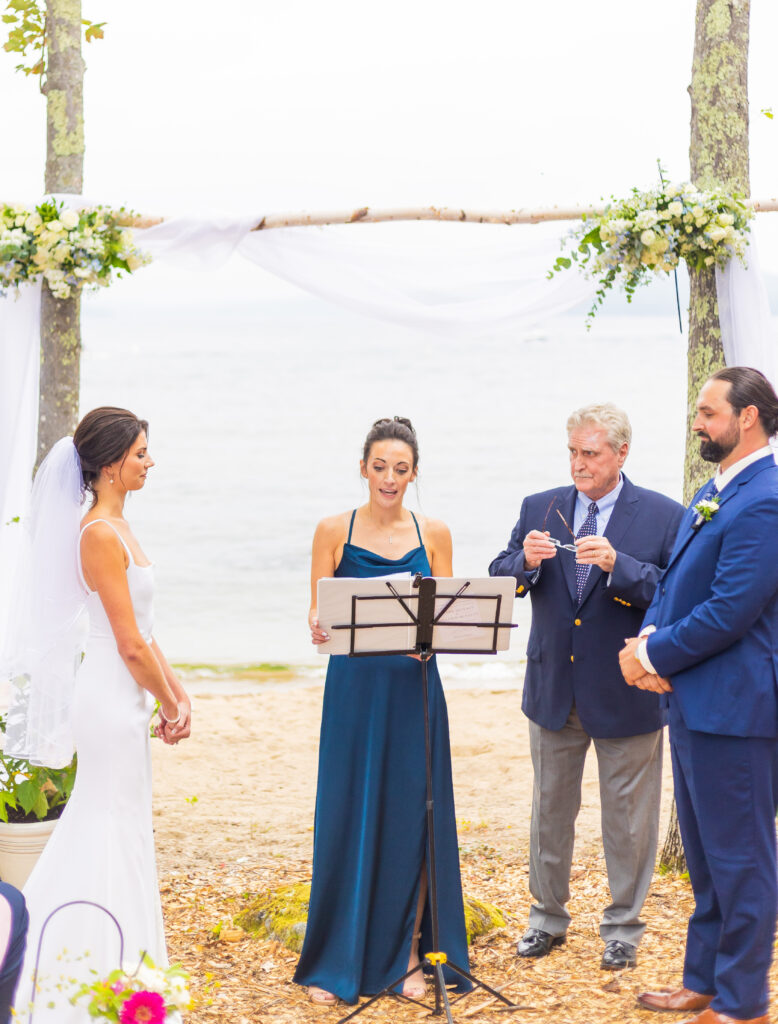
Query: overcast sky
(296, 104)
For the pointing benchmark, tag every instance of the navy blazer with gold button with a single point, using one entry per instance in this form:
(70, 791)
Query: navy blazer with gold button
(573, 649)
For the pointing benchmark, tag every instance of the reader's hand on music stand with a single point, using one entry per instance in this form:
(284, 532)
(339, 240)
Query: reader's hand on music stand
(318, 636)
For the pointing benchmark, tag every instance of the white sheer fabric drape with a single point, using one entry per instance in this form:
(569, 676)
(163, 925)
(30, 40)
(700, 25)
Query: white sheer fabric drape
(748, 333)
(472, 292)
(19, 372)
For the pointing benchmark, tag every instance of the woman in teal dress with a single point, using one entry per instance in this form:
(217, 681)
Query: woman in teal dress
(369, 918)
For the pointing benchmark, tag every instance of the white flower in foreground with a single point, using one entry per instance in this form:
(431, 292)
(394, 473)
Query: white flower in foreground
(648, 237)
(33, 221)
(151, 979)
(69, 219)
(717, 234)
(675, 208)
(178, 993)
(646, 219)
(54, 226)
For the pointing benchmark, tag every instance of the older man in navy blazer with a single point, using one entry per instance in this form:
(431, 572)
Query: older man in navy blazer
(586, 597)
(710, 646)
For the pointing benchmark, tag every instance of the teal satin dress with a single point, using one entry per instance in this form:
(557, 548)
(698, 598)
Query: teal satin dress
(370, 831)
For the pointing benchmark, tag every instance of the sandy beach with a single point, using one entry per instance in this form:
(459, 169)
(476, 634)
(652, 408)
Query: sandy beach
(244, 784)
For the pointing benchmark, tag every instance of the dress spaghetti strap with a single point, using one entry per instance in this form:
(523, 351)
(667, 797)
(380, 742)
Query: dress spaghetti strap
(81, 534)
(351, 526)
(416, 524)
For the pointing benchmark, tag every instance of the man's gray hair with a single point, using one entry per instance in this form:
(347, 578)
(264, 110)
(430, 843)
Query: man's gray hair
(606, 415)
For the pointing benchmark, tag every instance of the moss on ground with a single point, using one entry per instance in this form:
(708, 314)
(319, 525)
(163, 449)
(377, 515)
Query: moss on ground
(282, 913)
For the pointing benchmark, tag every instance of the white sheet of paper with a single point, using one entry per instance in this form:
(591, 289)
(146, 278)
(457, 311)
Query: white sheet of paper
(462, 610)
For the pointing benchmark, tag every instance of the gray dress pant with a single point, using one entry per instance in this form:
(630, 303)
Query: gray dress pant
(630, 774)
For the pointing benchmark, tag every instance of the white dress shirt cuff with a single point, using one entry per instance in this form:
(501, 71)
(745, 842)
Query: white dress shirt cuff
(642, 650)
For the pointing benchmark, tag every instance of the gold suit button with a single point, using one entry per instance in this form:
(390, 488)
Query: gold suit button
(578, 622)
(572, 658)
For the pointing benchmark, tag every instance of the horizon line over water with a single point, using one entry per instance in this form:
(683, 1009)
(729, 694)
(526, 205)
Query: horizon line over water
(258, 411)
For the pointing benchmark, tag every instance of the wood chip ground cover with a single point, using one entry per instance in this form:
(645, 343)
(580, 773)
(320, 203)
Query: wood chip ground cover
(240, 979)
(233, 815)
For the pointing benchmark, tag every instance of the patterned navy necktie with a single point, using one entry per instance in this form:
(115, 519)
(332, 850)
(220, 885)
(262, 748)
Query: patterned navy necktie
(588, 529)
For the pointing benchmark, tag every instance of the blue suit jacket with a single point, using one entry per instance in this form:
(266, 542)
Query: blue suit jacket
(716, 611)
(573, 649)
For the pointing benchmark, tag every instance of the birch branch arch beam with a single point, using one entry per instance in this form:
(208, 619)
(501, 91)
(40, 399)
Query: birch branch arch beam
(376, 215)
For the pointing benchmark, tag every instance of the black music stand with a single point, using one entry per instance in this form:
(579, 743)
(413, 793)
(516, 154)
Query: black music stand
(429, 614)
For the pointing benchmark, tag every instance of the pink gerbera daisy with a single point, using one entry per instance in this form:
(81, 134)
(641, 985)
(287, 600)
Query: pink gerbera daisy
(143, 1008)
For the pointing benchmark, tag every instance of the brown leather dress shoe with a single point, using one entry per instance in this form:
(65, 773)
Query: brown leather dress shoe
(713, 1017)
(674, 1000)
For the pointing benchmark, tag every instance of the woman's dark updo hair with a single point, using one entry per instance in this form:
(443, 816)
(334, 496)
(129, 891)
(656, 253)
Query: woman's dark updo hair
(395, 429)
(103, 436)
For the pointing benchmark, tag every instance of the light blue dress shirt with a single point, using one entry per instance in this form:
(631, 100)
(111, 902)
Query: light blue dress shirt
(604, 508)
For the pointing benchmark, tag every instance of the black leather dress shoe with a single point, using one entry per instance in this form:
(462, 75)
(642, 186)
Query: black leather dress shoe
(618, 955)
(535, 942)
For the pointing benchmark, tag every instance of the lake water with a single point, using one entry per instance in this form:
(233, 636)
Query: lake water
(259, 401)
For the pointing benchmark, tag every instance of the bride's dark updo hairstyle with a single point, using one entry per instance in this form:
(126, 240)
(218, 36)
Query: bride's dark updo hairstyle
(103, 436)
(395, 429)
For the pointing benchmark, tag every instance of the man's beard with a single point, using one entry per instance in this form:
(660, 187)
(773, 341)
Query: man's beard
(717, 451)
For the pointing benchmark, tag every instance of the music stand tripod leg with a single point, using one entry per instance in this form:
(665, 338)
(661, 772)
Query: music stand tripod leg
(481, 984)
(388, 991)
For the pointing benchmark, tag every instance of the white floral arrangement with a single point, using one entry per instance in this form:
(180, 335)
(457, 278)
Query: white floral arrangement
(651, 232)
(70, 249)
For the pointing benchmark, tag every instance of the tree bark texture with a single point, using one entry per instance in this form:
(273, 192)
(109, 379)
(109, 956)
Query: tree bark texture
(60, 377)
(718, 157)
(60, 318)
(673, 858)
(64, 90)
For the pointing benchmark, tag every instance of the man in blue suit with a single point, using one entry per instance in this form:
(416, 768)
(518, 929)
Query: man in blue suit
(586, 597)
(710, 646)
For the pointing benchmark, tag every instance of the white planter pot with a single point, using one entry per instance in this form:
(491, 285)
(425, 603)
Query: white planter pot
(20, 846)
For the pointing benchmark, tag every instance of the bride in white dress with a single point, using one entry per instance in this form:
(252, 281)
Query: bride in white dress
(102, 849)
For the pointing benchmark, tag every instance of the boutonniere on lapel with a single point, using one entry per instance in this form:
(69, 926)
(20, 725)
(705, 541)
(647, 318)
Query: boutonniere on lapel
(706, 509)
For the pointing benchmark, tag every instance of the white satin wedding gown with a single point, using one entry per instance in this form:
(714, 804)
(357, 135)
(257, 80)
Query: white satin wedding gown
(102, 848)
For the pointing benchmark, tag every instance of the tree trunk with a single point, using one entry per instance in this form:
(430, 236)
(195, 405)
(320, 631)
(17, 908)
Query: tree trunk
(718, 156)
(60, 318)
(60, 378)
